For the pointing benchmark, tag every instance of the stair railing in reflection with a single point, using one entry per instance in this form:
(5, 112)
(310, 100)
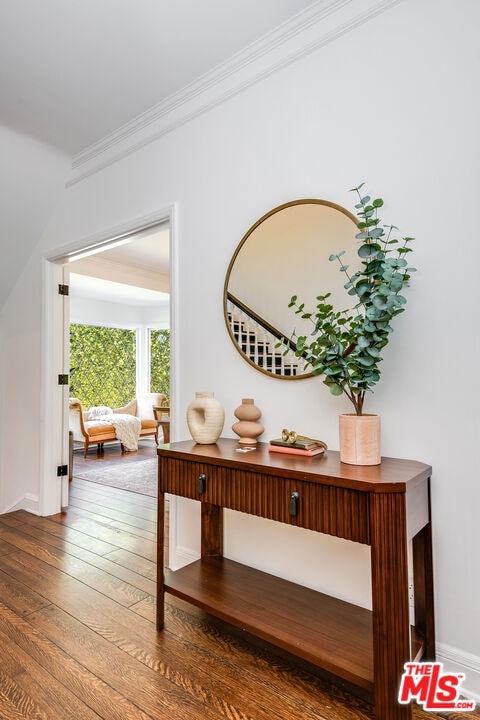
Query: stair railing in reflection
(256, 338)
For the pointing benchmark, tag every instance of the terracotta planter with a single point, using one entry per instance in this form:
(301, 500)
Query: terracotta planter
(360, 439)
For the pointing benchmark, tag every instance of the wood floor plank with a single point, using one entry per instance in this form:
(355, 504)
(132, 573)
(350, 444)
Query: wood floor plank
(135, 527)
(16, 595)
(11, 520)
(86, 686)
(132, 569)
(138, 564)
(5, 547)
(128, 520)
(112, 536)
(63, 531)
(105, 583)
(146, 608)
(201, 686)
(145, 509)
(110, 505)
(37, 694)
(155, 692)
(100, 493)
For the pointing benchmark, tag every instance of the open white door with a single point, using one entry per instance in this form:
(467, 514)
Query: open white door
(66, 465)
(54, 449)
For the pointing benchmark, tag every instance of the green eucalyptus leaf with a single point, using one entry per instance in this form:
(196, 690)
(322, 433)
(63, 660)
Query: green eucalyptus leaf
(365, 361)
(356, 189)
(396, 283)
(368, 250)
(379, 302)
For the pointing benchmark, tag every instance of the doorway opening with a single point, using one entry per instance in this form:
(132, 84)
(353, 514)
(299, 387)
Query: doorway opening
(125, 254)
(120, 358)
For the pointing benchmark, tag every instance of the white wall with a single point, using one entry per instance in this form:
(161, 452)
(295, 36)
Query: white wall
(31, 182)
(392, 102)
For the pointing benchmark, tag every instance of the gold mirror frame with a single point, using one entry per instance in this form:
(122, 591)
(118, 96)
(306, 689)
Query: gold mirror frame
(278, 253)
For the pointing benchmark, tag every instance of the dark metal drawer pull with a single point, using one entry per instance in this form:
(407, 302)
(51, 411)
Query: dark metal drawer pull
(294, 498)
(202, 483)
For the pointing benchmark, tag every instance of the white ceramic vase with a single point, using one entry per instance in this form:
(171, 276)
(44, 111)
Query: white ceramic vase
(205, 418)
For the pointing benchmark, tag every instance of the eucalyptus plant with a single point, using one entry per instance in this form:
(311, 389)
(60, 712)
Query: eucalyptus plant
(346, 346)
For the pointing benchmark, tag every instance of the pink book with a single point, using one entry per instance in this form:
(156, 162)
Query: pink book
(295, 451)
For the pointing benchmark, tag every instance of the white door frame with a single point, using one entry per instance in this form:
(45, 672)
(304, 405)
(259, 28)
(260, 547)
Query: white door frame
(54, 438)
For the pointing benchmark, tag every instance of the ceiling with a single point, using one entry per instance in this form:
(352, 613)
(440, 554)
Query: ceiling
(73, 71)
(135, 272)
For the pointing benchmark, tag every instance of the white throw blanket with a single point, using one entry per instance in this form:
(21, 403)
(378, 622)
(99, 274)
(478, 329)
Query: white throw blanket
(127, 427)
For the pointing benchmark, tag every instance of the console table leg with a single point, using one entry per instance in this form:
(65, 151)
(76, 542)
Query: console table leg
(212, 530)
(391, 624)
(423, 589)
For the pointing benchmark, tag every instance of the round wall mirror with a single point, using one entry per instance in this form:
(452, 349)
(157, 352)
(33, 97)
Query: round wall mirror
(286, 253)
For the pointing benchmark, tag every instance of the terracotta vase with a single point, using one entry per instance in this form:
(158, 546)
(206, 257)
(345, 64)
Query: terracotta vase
(247, 428)
(360, 439)
(205, 418)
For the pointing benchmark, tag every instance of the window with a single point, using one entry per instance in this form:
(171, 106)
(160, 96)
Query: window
(102, 365)
(160, 361)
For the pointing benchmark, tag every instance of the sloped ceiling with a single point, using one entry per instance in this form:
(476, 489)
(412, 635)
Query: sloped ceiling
(73, 72)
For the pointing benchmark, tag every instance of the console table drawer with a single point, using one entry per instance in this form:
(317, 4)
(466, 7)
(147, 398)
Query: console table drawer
(332, 510)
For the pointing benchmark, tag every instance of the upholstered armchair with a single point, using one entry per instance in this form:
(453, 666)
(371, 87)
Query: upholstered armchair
(90, 432)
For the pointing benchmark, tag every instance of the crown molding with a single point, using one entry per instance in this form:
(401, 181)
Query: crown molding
(316, 26)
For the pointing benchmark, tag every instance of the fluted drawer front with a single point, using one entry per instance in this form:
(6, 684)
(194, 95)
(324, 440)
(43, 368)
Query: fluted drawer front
(332, 510)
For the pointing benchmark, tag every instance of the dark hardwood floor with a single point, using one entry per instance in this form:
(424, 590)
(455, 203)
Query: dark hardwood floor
(77, 633)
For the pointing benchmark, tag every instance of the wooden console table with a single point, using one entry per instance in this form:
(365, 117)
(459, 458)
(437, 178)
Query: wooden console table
(383, 506)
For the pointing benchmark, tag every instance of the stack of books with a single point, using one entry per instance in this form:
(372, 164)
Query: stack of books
(299, 447)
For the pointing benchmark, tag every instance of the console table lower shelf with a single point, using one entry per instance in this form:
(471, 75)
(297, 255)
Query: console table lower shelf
(333, 634)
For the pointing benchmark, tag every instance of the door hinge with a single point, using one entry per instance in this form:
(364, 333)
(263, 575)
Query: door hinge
(63, 289)
(63, 379)
(62, 470)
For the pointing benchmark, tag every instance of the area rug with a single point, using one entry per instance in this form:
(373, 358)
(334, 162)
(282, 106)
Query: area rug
(139, 477)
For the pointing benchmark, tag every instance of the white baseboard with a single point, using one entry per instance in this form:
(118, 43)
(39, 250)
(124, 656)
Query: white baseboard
(181, 556)
(28, 502)
(458, 661)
